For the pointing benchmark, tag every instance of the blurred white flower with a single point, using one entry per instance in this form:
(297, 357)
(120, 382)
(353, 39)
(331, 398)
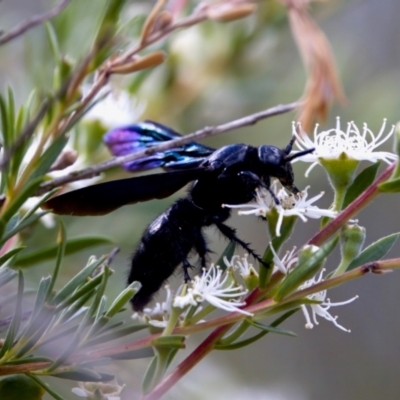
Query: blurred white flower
(242, 265)
(284, 265)
(98, 390)
(332, 143)
(214, 289)
(290, 205)
(322, 308)
(157, 316)
(118, 108)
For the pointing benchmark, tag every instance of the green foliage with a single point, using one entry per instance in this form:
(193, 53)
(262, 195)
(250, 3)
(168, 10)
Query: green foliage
(71, 328)
(375, 251)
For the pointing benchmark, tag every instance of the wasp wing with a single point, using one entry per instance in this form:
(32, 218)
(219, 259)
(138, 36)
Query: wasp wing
(106, 197)
(133, 138)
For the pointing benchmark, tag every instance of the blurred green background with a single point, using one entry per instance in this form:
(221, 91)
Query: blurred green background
(216, 73)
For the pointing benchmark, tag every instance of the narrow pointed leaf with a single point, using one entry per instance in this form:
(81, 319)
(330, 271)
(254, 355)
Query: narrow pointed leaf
(116, 334)
(134, 354)
(304, 271)
(16, 321)
(272, 329)
(22, 225)
(20, 199)
(375, 251)
(10, 254)
(123, 298)
(391, 186)
(228, 253)
(72, 246)
(49, 156)
(77, 280)
(363, 180)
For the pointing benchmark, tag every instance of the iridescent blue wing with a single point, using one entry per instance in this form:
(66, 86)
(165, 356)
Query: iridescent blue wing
(130, 139)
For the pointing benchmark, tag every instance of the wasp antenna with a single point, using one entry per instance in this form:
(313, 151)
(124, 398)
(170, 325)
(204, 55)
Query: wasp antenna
(299, 154)
(289, 147)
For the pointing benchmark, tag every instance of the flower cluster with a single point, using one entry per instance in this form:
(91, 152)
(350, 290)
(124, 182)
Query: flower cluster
(331, 144)
(215, 287)
(289, 205)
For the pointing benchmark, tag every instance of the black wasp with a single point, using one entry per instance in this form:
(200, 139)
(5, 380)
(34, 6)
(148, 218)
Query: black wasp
(229, 175)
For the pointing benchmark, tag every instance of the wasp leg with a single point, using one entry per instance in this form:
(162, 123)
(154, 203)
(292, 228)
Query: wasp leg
(186, 266)
(230, 234)
(256, 179)
(202, 250)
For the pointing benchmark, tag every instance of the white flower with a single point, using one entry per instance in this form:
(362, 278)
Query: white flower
(290, 205)
(96, 390)
(212, 288)
(242, 264)
(157, 316)
(118, 108)
(287, 261)
(332, 143)
(322, 308)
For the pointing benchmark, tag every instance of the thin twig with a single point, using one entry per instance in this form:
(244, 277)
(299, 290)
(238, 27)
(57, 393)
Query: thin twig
(200, 134)
(32, 22)
(103, 77)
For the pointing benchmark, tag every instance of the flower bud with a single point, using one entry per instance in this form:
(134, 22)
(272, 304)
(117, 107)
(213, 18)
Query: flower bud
(230, 12)
(351, 242)
(147, 61)
(64, 160)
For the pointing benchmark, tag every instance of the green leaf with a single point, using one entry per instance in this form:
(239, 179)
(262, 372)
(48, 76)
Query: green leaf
(83, 374)
(22, 225)
(241, 343)
(363, 180)
(72, 246)
(391, 186)
(18, 387)
(109, 23)
(306, 269)
(375, 251)
(150, 375)
(42, 200)
(45, 387)
(29, 359)
(54, 46)
(77, 280)
(11, 112)
(6, 274)
(228, 253)
(272, 329)
(123, 298)
(42, 292)
(88, 289)
(246, 342)
(7, 138)
(19, 199)
(96, 362)
(10, 254)
(61, 244)
(134, 354)
(116, 334)
(49, 156)
(16, 321)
